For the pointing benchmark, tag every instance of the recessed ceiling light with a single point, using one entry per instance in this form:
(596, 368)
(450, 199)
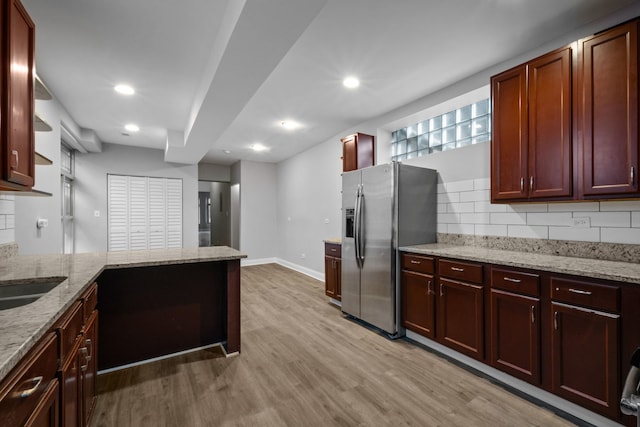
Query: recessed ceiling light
(132, 128)
(289, 124)
(351, 82)
(226, 151)
(124, 89)
(259, 147)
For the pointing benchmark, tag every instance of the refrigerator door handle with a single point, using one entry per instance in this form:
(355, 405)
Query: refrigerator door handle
(361, 231)
(356, 234)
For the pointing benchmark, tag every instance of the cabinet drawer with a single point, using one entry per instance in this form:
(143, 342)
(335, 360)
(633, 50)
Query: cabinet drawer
(89, 301)
(333, 249)
(24, 387)
(515, 281)
(417, 263)
(469, 272)
(586, 294)
(69, 328)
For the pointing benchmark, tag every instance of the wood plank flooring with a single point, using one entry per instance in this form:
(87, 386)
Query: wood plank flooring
(304, 364)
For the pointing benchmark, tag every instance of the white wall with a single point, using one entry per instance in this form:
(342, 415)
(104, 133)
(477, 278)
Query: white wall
(7, 219)
(258, 205)
(91, 190)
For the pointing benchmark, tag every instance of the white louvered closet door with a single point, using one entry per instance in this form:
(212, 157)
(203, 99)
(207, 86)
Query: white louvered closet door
(118, 212)
(174, 213)
(157, 213)
(144, 213)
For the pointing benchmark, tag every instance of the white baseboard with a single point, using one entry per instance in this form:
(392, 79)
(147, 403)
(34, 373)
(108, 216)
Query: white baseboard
(300, 269)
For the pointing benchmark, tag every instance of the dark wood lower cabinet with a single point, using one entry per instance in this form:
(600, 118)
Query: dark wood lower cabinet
(70, 393)
(46, 413)
(89, 367)
(333, 270)
(418, 303)
(461, 317)
(515, 335)
(585, 357)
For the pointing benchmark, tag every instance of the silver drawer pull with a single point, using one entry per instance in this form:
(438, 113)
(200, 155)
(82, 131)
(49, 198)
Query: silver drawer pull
(36, 381)
(579, 291)
(509, 279)
(457, 269)
(334, 250)
(413, 261)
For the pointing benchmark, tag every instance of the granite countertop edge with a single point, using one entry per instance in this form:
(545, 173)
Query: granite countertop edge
(597, 269)
(22, 327)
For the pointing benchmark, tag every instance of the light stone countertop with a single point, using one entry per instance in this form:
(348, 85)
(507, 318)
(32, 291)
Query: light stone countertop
(598, 269)
(335, 241)
(22, 327)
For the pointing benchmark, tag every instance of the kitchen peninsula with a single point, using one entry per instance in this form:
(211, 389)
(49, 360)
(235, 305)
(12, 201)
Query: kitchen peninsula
(22, 327)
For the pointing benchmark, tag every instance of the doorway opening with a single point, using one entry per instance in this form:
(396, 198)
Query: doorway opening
(214, 213)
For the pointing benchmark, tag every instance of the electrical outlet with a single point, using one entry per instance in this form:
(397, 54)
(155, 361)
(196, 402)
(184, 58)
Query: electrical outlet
(581, 222)
(326, 220)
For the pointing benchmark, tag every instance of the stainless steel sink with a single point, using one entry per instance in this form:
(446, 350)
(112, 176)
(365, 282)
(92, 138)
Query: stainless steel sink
(16, 294)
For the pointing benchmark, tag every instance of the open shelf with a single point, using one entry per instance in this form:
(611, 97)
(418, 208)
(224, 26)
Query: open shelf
(40, 125)
(43, 160)
(41, 91)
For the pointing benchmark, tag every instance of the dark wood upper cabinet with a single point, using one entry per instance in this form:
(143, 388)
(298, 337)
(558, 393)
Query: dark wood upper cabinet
(18, 155)
(357, 151)
(608, 113)
(531, 150)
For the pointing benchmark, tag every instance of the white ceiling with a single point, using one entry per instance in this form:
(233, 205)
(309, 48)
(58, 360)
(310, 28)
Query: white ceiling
(216, 75)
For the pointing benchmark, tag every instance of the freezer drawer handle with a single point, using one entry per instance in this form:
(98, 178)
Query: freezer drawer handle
(509, 279)
(457, 269)
(579, 291)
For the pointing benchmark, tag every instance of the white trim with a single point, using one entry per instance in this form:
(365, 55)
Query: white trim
(535, 392)
(167, 356)
(300, 269)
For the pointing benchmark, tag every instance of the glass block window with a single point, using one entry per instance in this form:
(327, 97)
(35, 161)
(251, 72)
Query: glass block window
(467, 125)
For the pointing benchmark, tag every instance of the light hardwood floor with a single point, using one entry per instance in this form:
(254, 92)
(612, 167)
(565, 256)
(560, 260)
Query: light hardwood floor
(304, 364)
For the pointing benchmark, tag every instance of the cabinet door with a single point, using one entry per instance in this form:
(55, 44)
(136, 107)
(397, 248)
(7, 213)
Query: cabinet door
(510, 134)
(349, 153)
(515, 335)
(19, 152)
(550, 125)
(70, 384)
(330, 277)
(608, 112)
(460, 317)
(89, 366)
(338, 273)
(46, 413)
(418, 303)
(585, 357)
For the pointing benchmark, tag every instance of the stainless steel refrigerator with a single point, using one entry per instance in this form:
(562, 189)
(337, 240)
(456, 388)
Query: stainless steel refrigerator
(384, 207)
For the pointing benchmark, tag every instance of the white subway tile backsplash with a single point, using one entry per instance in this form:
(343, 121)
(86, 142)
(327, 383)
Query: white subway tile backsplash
(448, 197)
(482, 184)
(443, 228)
(530, 207)
(7, 236)
(441, 189)
(475, 218)
(622, 205)
(459, 186)
(526, 231)
(442, 207)
(461, 229)
(7, 207)
(461, 207)
(559, 218)
(11, 221)
(606, 219)
(620, 235)
(509, 218)
(485, 206)
(3, 222)
(491, 230)
(572, 207)
(449, 218)
(574, 233)
(474, 196)
(635, 219)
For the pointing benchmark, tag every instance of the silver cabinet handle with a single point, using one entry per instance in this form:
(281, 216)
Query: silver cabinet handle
(521, 184)
(633, 175)
(84, 352)
(89, 347)
(16, 158)
(509, 279)
(334, 250)
(457, 269)
(533, 314)
(555, 320)
(441, 290)
(531, 183)
(36, 381)
(413, 261)
(579, 291)
(429, 291)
